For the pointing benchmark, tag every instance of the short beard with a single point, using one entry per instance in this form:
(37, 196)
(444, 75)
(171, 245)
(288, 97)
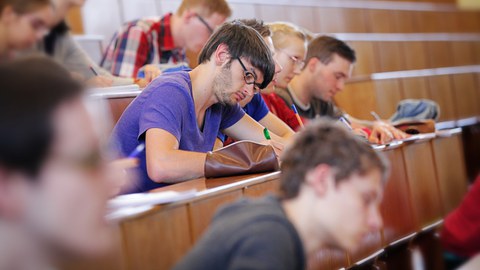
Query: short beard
(221, 82)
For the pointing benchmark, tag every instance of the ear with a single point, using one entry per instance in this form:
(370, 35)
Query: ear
(312, 64)
(321, 179)
(221, 55)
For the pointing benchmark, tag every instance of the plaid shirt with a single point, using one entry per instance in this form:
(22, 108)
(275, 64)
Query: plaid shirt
(141, 42)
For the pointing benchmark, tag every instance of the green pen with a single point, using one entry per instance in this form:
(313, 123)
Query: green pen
(266, 133)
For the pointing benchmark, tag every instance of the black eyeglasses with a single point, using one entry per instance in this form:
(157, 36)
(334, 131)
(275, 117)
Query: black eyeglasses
(249, 77)
(210, 29)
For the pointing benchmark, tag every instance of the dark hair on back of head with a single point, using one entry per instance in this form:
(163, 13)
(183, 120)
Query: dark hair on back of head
(324, 47)
(31, 90)
(327, 142)
(242, 41)
(259, 26)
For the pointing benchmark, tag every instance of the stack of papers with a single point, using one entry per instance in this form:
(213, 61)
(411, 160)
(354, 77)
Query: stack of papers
(132, 204)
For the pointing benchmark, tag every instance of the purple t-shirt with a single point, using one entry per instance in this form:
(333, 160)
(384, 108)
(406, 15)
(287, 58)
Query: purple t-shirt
(167, 103)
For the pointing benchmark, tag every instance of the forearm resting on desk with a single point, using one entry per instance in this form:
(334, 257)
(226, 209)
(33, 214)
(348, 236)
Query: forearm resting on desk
(166, 163)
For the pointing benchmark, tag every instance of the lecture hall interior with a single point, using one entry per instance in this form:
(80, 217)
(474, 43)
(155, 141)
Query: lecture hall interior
(405, 49)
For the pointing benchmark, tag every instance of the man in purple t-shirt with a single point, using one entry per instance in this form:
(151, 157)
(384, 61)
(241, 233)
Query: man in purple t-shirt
(179, 115)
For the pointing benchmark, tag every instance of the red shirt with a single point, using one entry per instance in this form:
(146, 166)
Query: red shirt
(277, 106)
(461, 231)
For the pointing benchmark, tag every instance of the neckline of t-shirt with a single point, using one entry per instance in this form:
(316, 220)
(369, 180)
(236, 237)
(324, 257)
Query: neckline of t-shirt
(296, 100)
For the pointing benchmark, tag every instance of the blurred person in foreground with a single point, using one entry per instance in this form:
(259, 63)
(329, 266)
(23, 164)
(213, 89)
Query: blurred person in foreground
(331, 187)
(54, 183)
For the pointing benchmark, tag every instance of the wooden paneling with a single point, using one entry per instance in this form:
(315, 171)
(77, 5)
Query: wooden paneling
(451, 171)
(75, 21)
(407, 21)
(439, 54)
(440, 88)
(416, 87)
(117, 106)
(466, 98)
(201, 212)
(364, 51)
(341, 20)
(381, 21)
(271, 13)
(357, 99)
(388, 95)
(262, 189)
(399, 222)
(463, 53)
(476, 51)
(389, 56)
(326, 259)
(414, 53)
(468, 21)
(146, 238)
(422, 183)
(303, 17)
(432, 21)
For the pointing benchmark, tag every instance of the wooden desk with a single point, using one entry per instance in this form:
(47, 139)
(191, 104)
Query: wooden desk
(413, 199)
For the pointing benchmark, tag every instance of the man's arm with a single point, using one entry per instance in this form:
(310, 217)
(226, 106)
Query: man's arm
(248, 129)
(166, 163)
(381, 132)
(277, 126)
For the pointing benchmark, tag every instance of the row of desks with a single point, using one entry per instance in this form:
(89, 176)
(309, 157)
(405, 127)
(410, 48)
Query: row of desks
(427, 180)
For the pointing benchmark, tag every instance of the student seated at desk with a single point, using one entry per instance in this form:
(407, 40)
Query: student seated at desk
(22, 23)
(163, 40)
(290, 44)
(54, 184)
(328, 65)
(180, 114)
(254, 105)
(331, 187)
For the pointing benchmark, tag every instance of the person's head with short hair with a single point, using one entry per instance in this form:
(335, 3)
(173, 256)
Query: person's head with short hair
(244, 58)
(338, 180)
(199, 19)
(290, 44)
(23, 22)
(264, 30)
(329, 64)
(53, 187)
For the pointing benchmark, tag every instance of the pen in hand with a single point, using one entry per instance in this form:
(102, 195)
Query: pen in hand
(345, 122)
(297, 116)
(93, 71)
(375, 115)
(137, 150)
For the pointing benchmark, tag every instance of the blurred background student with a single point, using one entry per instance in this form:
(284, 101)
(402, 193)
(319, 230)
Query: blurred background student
(22, 23)
(54, 183)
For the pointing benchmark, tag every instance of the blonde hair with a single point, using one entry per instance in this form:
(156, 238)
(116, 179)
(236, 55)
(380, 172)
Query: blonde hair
(282, 31)
(206, 8)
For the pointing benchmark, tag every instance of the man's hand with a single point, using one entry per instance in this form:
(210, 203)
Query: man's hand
(383, 132)
(277, 147)
(151, 72)
(100, 81)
